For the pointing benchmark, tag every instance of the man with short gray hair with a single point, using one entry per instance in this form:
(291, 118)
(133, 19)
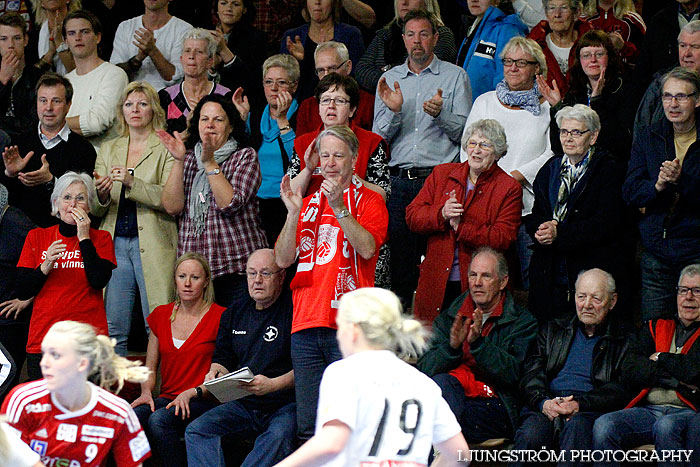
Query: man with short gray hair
(663, 181)
(571, 375)
(663, 364)
(333, 57)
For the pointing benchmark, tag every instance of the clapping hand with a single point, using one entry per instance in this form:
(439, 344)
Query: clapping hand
(393, 99)
(103, 185)
(433, 106)
(122, 174)
(551, 94)
(53, 252)
(173, 143)
(452, 210)
(295, 47)
(240, 101)
(292, 200)
(311, 157)
(669, 172)
(145, 42)
(14, 163)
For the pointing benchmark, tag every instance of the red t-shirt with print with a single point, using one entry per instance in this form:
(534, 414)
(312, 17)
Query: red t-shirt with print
(66, 294)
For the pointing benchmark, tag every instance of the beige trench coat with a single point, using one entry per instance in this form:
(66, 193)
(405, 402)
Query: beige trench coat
(157, 229)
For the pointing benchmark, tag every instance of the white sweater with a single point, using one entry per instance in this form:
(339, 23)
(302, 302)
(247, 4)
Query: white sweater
(95, 98)
(527, 135)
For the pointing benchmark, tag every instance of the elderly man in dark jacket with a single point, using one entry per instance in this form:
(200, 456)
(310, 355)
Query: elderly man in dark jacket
(478, 345)
(663, 365)
(571, 375)
(663, 180)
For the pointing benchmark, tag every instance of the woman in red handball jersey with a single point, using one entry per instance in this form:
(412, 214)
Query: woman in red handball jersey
(66, 266)
(70, 421)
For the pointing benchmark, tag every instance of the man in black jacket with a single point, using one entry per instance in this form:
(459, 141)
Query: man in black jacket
(572, 373)
(663, 366)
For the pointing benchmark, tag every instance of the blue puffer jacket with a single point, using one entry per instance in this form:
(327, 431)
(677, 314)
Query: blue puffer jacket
(481, 59)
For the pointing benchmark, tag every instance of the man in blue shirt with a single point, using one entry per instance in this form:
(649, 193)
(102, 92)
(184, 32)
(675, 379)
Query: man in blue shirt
(420, 109)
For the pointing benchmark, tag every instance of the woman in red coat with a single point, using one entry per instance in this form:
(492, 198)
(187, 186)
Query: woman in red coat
(463, 206)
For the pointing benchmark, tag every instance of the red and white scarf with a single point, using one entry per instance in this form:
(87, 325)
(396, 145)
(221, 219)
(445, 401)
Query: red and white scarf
(318, 244)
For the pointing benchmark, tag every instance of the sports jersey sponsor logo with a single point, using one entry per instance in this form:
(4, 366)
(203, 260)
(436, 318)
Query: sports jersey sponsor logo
(139, 446)
(67, 432)
(236, 333)
(271, 334)
(327, 243)
(38, 408)
(485, 49)
(59, 462)
(42, 433)
(108, 416)
(38, 446)
(100, 431)
(92, 439)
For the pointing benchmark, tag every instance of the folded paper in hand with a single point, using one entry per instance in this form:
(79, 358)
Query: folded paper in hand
(228, 387)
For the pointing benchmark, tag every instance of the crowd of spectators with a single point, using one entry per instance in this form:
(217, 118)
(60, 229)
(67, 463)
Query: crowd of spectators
(526, 180)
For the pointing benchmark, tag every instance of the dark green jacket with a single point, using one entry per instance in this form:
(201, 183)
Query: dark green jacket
(499, 355)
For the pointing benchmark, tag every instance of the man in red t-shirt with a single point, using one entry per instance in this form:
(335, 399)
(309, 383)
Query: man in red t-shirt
(337, 232)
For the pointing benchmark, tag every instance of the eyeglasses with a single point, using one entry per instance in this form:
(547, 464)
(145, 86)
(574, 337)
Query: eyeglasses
(684, 290)
(281, 83)
(575, 133)
(558, 9)
(265, 274)
(668, 97)
(522, 63)
(78, 199)
(471, 144)
(335, 100)
(330, 69)
(587, 55)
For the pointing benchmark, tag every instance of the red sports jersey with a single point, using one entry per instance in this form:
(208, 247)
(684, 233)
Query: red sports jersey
(76, 439)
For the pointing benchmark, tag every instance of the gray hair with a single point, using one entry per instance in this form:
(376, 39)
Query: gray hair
(66, 180)
(691, 270)
(581, 113)
(610, 285)
(501, 262)
(285, 61)
(529, 47)
(378, 314)
(683, 74)
(199, 34)
(339, 48)
(690, 28)
(575, 5)
(492, 131)
(343, 133)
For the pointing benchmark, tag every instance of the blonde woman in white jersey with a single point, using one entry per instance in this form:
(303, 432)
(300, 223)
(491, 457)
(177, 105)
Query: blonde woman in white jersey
(373, 407)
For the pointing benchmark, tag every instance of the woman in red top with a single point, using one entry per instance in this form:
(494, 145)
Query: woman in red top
(182, 340)
(66, 266)
(463, 206)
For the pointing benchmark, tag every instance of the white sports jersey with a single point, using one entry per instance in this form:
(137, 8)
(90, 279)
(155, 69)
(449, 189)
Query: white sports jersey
(76, 439)
(395, 412)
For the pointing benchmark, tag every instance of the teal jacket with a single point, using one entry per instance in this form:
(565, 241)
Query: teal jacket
(499, 355)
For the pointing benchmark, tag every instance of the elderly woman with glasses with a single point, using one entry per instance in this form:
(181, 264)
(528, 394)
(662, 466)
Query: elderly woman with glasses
(271, 130)
(577, 219)
(178, 100)
(461, 207)
(524, 113)
(557, 35)
(65, 267)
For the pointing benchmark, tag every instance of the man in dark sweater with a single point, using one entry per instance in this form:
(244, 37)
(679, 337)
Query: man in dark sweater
(254, 331)
(39, 157)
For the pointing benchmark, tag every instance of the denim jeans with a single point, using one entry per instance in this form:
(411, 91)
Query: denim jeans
(274, 433)
(523, 243)
(120, 293)
(312, 351)
(481, 418)
(406, 247)
(664, 426)
(165, 429)
(692, 439)
(659, 281)
(536, 431)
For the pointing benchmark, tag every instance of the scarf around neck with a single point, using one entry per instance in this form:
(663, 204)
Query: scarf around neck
(527, 100)
(201, 190)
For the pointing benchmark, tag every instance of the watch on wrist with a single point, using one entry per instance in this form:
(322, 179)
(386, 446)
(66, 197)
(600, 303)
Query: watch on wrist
(199, 392)
(343, 213)
(214, 172)
(285, 128)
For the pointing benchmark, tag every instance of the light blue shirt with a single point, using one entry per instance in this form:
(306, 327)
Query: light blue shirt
(417, 139)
